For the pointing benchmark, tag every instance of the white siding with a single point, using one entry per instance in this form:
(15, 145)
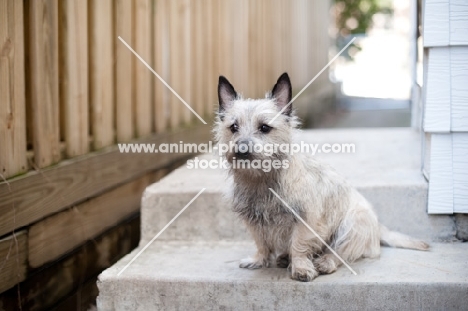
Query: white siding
(460, 172)
(440, 185)
(458, 22)
(446, 90)
(459, 88)
(436, 23)
(445, 22)
(437, 109)
(445, 102)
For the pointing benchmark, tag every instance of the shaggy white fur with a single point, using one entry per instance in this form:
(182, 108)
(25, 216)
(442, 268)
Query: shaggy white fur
(335, 210)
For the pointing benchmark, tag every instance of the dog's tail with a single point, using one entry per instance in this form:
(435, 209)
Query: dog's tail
(396, 239)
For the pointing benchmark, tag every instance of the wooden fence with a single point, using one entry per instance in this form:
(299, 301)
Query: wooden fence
(70, 90)
(69, 86)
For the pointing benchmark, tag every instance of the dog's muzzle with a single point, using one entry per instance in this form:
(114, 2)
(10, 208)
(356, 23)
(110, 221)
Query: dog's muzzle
(243, 149)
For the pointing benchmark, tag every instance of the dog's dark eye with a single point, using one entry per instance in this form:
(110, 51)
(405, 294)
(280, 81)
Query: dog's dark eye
(234, 128)
(265, 128)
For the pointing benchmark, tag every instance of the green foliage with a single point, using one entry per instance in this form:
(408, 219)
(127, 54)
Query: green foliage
(355, 16)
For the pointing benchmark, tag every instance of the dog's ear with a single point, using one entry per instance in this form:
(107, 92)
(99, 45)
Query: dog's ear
(226, 93)
(282, 93)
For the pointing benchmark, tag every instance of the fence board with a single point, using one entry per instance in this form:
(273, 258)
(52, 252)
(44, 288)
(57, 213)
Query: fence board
(73, 35)
(276, 29)
(12, 88)
(197, 58)
(102, 73)
(143, 76)
(220, 46)
(270, 72)
(161, 65)
(212, 71)
(261, 49)
(205, 74)
(13, 260)
(42, 87)
(123, 71)
(253, 61)
(175, 58)
(186, 49)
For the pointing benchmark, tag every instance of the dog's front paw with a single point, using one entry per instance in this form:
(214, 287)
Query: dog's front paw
(251, 263)
(325, 264)
(304, 271)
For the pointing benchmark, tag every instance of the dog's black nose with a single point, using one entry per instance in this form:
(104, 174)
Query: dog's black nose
(243, 148)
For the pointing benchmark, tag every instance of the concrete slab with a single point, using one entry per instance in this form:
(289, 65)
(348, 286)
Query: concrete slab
(206, 276)
(194, 264)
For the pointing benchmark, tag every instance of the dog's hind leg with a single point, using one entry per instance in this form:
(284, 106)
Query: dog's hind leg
(356, 237)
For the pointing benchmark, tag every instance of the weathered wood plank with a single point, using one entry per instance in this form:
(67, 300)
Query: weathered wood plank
(62, 232)
(186, 49)
(12, 90)
(300, 74)
(212, 68)
(143, 76)
(83, 299)
(223, 39)
(101, 59)
(123, 71)
(441, 185)
(42, 79)
(73, 40)
(197, 61)
(276, 29)
(253, 62)
(460, 170)
(215, 61)
(13, 260)
(438, 96)
(174, 60)
(49, 285)
(161, 65)
(240, 28)
(459, 91)
(39, 194)
(269, 20)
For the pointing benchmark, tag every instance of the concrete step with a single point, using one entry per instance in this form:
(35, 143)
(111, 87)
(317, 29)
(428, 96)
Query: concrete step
(194, 264)
(206, 276)
(385, 168)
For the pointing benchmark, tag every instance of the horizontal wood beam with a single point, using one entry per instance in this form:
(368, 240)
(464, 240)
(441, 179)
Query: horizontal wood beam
(13, 260)
(31, 197)
(56, 235)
